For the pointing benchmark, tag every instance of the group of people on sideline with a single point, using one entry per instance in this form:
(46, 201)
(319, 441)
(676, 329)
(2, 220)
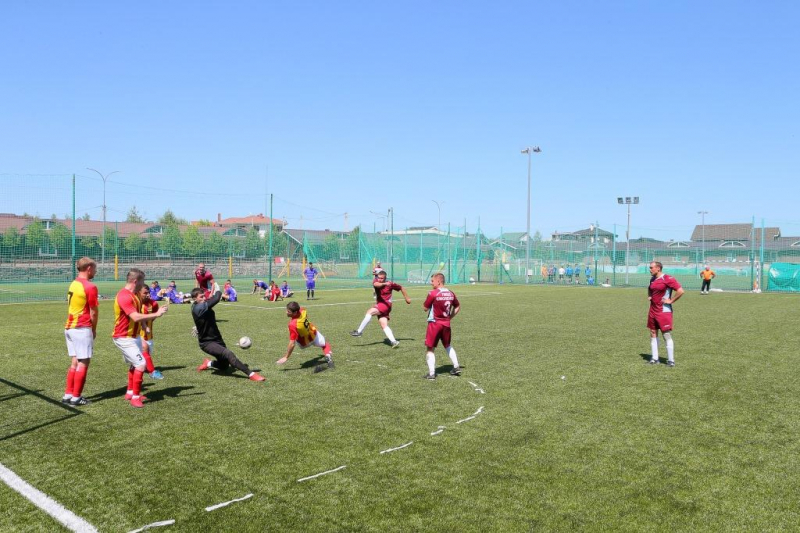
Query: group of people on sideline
(566, 274)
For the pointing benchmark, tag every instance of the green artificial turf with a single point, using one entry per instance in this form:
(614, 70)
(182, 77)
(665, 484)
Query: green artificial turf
(617, 444)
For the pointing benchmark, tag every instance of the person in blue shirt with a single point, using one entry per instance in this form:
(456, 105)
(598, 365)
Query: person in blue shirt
(156, 292)
(310, 273)
(286, 291)
(569, 274)
(175, 296)
(258, 286)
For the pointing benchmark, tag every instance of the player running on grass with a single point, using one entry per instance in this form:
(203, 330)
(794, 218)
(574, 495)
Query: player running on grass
(441, 306)
(304, 333)
(128, 320)
(80, 329)
(209, 337)
(382, 307)
(660, 315)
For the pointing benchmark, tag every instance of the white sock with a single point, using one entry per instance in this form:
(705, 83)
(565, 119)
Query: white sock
(250, 374)
(654, 348)
(389, 334)
(130, 391)
(364, 323)
(670, 350)
(68, 396)
(431, 360)
(451, 353)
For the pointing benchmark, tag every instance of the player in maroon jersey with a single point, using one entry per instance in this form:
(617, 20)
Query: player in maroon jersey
(204, 279)
(382, 307)
(441, 306)
(661, 296)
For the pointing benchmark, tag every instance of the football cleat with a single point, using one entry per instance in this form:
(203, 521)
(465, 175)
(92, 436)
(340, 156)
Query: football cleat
(330, 363)
(429, 376)
(670, 363)
(653, 362)
(395, 344)
(355, 333)
(66, 400)
(456, 371)
(156, 374)
(255, 376)
(204, 365)
(79, 400)
(137, 402)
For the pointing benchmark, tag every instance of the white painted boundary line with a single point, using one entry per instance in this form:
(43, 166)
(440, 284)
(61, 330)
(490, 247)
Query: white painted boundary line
(321, 474)
(406, 445)
(439, 431)
(224, 504)
(41, 500)
(371, 302)
(154, 524)
(471, 417)
(478, 389)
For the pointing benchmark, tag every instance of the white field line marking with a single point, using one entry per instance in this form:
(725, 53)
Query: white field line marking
(352, 361)
(478, 389)
(479, 411)
(439, 431)
(383, 366)
(371, 302)
(406, 445)
(223, 504)
(471, 417)
(12, 291)
(41, 500)
(154, 524)
(321, 473)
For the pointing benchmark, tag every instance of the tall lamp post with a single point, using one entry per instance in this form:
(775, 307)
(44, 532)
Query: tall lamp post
(103, 245)
(703, 226)
(530, 150)
(628, 201)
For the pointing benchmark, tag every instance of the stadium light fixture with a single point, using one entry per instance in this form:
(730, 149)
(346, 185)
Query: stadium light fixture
(529, 151)
(628, 200)
(103, 245)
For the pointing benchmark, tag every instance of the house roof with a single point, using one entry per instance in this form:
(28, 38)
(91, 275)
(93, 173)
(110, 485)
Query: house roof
(85, 228)
(732, 232)
(314, 236)
(251, 220)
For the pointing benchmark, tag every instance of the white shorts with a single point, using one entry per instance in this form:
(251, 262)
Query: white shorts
(80, 342)
(131, 350)
(319, 341)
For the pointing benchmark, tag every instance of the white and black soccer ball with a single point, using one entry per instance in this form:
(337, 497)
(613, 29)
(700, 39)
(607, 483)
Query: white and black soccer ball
(245, 343)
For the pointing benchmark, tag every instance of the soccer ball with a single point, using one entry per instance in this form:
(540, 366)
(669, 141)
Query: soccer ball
(245, 343)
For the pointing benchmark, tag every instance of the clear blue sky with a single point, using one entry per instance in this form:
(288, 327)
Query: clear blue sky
(360, 106)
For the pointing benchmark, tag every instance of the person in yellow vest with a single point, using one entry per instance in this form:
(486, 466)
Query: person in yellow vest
(707, 275)
(304, 333)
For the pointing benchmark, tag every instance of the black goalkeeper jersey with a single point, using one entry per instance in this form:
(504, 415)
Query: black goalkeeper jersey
(206, 320)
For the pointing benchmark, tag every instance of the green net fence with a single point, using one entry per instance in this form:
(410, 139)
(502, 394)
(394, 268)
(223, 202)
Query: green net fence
(48, 222)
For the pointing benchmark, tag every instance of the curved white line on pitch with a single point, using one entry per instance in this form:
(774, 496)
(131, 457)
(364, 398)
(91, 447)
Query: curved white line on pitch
(154, 524)
(44, 502)
(406, 445)
(321, 473)
(439, 431)
(224, 504)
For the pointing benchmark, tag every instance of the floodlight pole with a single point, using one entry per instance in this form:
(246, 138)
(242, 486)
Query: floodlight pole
(628, 201)
(530, 150)
(103, 245)
(438, 231)
(703, 229)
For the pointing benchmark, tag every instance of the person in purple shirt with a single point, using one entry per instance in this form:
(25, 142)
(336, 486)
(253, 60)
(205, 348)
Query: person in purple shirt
(310, 273)
(286, 291)
(258, 286)
(156, 292)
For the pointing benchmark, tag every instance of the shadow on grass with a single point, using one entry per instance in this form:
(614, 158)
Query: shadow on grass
(24, 391)
(445, 369)
(165, 368)
(311, 363)
(109, 394)
(646, 357)
(386, 341)
(170, 392)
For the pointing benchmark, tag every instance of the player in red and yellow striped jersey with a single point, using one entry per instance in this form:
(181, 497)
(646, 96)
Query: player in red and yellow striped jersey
(149, 306)
(304, 333)
(128, 318)
(80, 329)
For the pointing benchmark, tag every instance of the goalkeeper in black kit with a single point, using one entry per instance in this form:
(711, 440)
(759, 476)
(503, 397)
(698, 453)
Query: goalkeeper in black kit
(211, 342)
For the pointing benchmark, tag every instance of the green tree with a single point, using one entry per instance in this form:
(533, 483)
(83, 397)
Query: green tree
(330, 248)
(203, 222)
(86, 217)
(193, 242)
(11, 238)
(253, 243)
(152, 245)
(169, 219)
(280, 242)
(61, 239)
(171, 241)
(35, 237)
(133, 243)
(89, 245)
(351, 244)
(111, 240)
(134, 216)
(215, 245)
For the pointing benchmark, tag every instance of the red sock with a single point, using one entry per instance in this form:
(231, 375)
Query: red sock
(327, 349)
(70, 381)
(79, 380)
(138, 377)
(149, 362)
(130, 379)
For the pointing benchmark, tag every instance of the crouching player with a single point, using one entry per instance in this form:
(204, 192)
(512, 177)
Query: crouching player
(211, 342)
(148, 307)
(304, 333)
(441, 306)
